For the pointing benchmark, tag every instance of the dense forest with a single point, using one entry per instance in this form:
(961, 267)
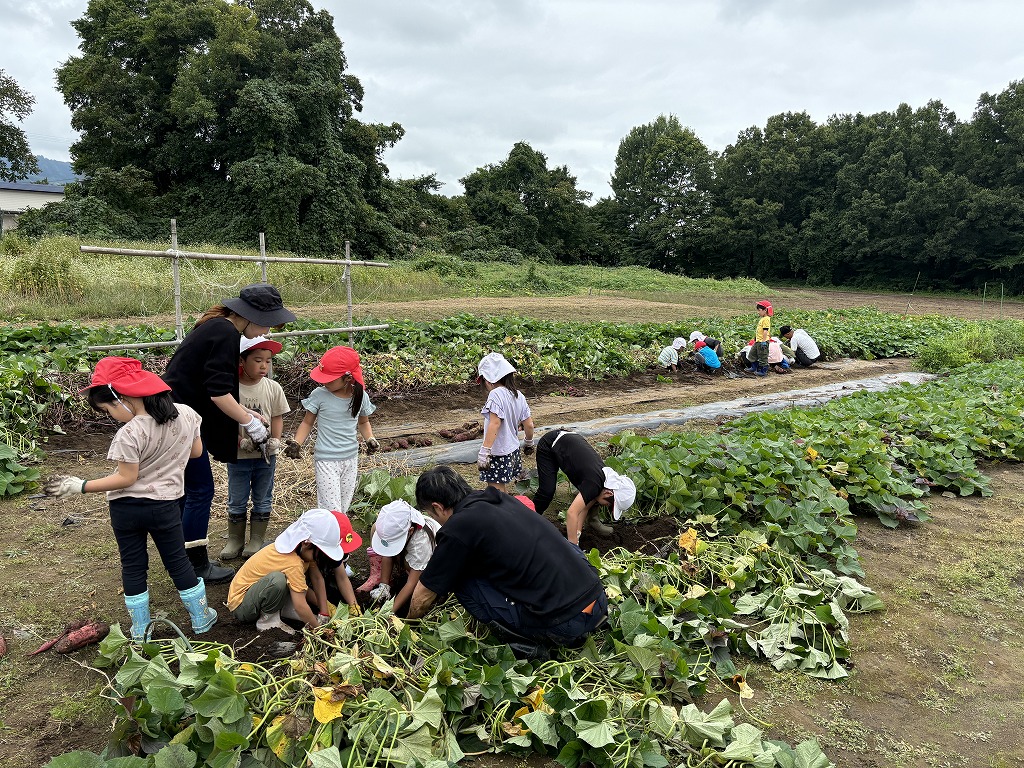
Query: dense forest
(241, 117)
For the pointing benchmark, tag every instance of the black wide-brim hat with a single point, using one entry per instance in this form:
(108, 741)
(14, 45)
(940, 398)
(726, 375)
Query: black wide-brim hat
(260, 304)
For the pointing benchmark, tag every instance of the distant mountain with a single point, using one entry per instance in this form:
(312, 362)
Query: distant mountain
(54, 171)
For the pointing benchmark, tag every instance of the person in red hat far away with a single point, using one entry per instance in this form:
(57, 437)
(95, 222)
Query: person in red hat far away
(287, 568)
(762, 336)
(253, 474)
(340, 411)
(203, 374)
(505, 412)
(157, 439)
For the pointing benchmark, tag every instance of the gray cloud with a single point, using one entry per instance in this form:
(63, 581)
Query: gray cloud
(469, 78)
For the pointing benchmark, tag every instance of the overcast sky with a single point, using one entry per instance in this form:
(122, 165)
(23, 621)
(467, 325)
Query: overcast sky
(469, 78)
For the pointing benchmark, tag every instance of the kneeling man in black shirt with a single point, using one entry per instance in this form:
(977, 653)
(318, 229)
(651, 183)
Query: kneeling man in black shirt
(510, 568)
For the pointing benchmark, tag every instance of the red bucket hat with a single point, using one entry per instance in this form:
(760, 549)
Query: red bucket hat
(335, 363)
(125, 376)
(350, 540)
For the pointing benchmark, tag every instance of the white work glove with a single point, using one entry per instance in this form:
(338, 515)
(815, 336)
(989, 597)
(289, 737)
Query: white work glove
(63, 486)
(322, 619)
(274, 446)
(528, 446)
(245, 445)
(483, 458)
(257, 430)
(381, 594)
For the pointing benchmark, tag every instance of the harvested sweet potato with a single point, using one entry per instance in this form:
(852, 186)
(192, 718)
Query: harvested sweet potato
(67, 629)
(3, 647)
(92, 632)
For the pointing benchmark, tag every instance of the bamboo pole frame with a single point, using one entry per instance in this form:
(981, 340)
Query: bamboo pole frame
(175, 255)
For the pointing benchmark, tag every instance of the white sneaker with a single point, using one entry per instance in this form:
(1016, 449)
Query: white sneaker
(272, 621)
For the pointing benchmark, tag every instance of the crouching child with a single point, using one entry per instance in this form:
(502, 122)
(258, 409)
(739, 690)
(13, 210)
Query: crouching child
(279, 578)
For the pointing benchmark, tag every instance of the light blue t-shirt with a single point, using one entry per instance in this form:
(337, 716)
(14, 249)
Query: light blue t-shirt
(710, 358)
(336, 435)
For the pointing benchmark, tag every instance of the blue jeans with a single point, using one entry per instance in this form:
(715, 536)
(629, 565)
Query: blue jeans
(250, 477)
(195, 504)
(133, 520)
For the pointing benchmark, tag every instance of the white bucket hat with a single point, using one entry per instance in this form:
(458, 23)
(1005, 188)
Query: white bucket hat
(678, 342)
(494, 367)
(623, 491)
(697, 336)
(323, 529)
(392, 528)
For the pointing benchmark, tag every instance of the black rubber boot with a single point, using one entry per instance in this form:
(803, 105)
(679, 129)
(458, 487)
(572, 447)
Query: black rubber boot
(521, 647)
(211, 573)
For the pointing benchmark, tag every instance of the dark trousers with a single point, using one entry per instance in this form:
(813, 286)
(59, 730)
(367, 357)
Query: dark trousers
(133, 520)
(761, 353)
(486, 604)
(547, 472)
(195, 504)
(803, 360)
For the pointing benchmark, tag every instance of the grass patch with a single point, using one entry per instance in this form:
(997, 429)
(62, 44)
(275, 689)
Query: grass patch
(50, 279)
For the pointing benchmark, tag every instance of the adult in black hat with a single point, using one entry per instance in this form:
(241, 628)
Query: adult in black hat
(203, 374)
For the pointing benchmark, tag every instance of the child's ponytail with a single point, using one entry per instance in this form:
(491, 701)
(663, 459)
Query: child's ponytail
(357, 398)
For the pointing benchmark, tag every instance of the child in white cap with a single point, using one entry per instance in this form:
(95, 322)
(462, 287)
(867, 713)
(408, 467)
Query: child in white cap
(669, 357)
(252, 475)
(405, 539)
(505, 411)
(284, 575)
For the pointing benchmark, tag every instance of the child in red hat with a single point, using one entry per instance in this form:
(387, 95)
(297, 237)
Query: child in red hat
(157, 439)
(340, 410)
(762, 336)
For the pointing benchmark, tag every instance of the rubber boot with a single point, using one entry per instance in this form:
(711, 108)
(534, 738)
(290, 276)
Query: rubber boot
(762, 370)
(202, 615)
(594, 519)
(257, 532)
(212, 573)
(236, 540)
(138, 608)
(374, 578)
(272, 621)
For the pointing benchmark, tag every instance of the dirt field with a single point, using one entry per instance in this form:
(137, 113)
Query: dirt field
(936, 676)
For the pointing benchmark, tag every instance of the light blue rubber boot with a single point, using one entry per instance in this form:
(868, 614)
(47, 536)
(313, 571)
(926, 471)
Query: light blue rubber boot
(138, 609)
(202, 615)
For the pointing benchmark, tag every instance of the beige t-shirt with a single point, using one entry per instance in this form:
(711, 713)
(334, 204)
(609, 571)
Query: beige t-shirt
(160, 450)
(268, 560)
(266, 396)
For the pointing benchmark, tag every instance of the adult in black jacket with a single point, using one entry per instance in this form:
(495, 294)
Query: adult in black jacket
(509, 568)
(596, 484)
(203, 374)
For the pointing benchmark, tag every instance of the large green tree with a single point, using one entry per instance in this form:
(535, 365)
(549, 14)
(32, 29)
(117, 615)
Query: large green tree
(16, 159)
(662, 181)
(240, 113)
(530, 207)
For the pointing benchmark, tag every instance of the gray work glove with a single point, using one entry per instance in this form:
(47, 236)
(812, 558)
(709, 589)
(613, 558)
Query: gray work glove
(483, 458)
(257, 430)
(292, 449)
(528, 447)
(63, 486)
(372, 446)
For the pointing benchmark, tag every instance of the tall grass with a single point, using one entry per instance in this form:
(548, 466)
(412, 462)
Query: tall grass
(50, 279)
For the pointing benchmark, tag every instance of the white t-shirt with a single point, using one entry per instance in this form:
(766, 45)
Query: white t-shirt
(417, 548)
(802, 341)
(513, 411)
(160, 450)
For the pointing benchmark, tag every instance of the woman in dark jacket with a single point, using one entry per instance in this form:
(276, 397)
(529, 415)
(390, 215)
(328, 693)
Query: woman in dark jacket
(203, 374)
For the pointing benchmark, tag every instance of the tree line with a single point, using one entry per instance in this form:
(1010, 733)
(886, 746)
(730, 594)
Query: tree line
(241, 117)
